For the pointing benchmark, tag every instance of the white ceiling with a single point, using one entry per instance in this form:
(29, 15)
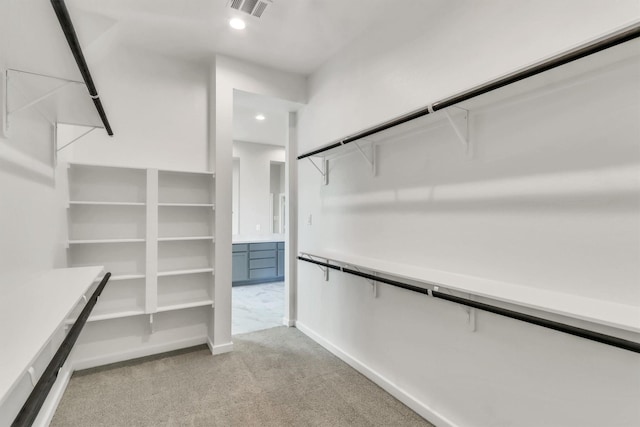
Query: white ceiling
(291, 35)
(272, 130)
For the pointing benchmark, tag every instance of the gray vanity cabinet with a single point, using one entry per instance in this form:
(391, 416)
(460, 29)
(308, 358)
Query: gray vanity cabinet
(258, 262)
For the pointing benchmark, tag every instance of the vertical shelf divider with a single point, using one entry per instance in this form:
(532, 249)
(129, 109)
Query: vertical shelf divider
(151, 297)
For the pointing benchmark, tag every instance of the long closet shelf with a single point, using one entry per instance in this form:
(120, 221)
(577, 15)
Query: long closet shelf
(613, 314)
(185, 272)
(100, 241)
(186, 304)
(96, 203)
(523, 80)
(188, 205)
(184, 238)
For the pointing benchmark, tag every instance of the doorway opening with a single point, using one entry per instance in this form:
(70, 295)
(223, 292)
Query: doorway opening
(260, 204)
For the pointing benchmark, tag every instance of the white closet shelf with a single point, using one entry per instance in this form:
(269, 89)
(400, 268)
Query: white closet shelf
(59, 291)
(126, 277)
(613, 314)
(96, 165)
(188, 205)
(184, 272)
(177, 171)
(110, 315)
(94, 241)
(97, 203)
(185, 304)
(184, 238)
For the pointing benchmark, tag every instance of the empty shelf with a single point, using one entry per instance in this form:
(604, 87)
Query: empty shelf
(181, 272)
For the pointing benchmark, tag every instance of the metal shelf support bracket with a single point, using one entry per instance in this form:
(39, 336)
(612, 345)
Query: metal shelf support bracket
(31, 102)
(470, 311)
(32, 376)
(324, 171)
(460, 126)
(91, 129)
(371, 162)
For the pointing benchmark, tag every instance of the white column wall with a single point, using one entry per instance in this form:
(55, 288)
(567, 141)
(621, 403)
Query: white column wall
(549, 200)
(227, 75)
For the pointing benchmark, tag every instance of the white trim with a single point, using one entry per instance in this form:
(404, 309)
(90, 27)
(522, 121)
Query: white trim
(50, 405)
(219, 349)
(137, 353)
(420, 408)
(291, 323)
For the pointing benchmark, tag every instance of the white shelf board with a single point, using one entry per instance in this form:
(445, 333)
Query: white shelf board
(109, 315)
(126, 277)
(94, 241)
(58, 290)
(183, 272)
(184, 238)
(82, 164)
(188, 205)
(95, 165)
(96, 203)
(185, 304)
(212, 174)
(621, 316)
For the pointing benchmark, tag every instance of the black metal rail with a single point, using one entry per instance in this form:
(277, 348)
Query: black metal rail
(546, 323)
(70, 33)
(554, 62)
(31, 407)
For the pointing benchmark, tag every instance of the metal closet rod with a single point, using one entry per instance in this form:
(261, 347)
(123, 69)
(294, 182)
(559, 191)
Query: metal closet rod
(614, 39)
(31, 407)
(70, 33)
(550, 324)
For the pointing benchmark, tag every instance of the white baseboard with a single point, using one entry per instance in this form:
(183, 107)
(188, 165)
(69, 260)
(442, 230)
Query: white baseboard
(420, 408)
(107, 359)
(220, 348)
(288, 322)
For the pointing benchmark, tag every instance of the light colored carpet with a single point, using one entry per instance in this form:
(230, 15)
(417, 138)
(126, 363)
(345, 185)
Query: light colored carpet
(274, 377)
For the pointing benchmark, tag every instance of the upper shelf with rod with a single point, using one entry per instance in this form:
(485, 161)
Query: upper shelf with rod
(549, 72)
(59, 100)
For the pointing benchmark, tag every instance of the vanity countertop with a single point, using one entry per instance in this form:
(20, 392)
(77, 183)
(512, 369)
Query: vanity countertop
(258, 238)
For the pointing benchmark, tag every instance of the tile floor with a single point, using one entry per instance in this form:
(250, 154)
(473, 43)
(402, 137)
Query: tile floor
(257, 307)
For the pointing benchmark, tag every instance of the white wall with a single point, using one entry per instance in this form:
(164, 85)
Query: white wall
(157, 107)
(32, 231)
(549, 200)
(227, 75)
(255, 179)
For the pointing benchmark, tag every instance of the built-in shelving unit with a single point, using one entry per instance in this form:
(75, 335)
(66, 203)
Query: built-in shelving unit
(153, 229)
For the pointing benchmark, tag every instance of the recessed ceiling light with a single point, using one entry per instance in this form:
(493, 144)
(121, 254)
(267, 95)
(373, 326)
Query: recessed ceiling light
(260, 117)
(237, 24)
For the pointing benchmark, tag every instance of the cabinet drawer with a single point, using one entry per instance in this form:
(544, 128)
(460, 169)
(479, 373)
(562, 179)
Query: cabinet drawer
(262, 273)
(280, 245)
(262, 254)
(240, 247)
(262, 246)
(262, 263)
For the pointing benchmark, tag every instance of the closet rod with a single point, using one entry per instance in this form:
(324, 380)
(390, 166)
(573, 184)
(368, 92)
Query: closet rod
(550, 324)
(70, 33)
(31, 407)
(606, 42)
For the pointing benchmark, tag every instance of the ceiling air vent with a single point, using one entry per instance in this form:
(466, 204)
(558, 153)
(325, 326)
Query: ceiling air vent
(252, 7)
